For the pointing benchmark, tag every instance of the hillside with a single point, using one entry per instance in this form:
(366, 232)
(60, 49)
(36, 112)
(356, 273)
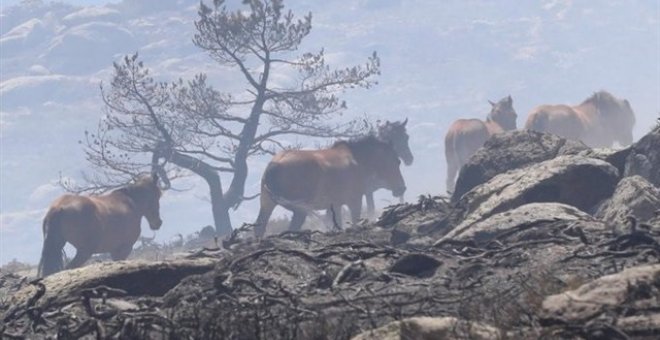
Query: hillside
(571, 251)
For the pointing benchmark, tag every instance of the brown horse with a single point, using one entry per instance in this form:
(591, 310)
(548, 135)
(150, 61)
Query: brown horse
(598, 121)
(465, 136)
(98, 224)
(395, 134)
(306, 180)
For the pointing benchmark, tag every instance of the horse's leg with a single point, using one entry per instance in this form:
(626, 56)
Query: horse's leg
(82, 255)
(356, 209)
(297, 220)
(452, 161)
(334, 216)
(121, 252)
(371, 207)
(266, 209)
(452, 168)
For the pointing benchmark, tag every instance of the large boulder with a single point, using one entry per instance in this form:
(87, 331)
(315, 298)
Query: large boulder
(577, 181)
(633, 196)
(523, 217)
(511, 150)
(644, 158)
(634, 292)
(430, 328)
(135, 278)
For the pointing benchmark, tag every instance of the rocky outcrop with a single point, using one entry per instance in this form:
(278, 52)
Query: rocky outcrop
(524, 217)
(634, 290)
(134, 278)
(644, 158)
(633, 196)
(508, 151)
(577, 181)
(429, 328)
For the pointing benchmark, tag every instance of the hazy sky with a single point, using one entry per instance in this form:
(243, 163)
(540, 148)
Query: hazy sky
(72, 2)
(441, 60)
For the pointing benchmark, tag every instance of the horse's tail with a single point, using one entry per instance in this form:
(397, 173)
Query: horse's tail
(52, 254)
(268, 182)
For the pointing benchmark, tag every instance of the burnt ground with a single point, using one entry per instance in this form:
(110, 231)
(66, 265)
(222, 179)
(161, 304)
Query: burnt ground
(313, 285)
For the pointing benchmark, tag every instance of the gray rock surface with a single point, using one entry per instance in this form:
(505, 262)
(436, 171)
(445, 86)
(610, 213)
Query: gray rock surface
(644, 158)
(508, 151)
(577, 181)
(511, 221)
(635, 290)
(430, 328)
(135, 278)
(634, 196)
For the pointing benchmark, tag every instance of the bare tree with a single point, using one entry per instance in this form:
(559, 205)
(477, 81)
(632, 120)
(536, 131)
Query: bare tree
(189, 127)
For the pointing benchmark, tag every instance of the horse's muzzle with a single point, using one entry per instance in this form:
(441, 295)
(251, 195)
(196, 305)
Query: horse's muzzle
(155, 225)
(398, 192)
(408, 160)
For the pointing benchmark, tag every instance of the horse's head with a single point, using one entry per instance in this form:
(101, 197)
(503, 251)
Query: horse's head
(395, 134)
(616, 116)
(382, 163)
(503, 113)
(147, 195)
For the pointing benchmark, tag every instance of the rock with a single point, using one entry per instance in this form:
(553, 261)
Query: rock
(430, 328)
(577, 181)
(633, 196)
(524, 216)
(508, 151)
(634, 290)
(616, 157)
(134, 277)
(207, 233)
(426, 217)
(399, 237)
(644, 158)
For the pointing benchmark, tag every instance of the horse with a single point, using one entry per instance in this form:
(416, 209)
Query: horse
(599, 121)
(306, 180)
(395, 134)
(108, 223)
(465, 136)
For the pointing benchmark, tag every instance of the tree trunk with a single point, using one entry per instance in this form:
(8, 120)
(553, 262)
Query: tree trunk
(219, 205)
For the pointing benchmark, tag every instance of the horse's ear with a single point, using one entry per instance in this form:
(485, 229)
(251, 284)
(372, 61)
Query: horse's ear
(405, 122)
(491, 102)
(154, 177)
(509, 99)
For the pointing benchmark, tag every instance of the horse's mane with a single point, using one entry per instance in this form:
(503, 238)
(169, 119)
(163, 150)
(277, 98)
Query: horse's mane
(361, 146)
(599, 97)
(357, 141)
(137, 187)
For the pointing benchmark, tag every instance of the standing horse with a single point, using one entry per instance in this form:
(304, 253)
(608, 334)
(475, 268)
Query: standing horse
(598, 121)
(465, 136)
(306, 180)
(395, 134)
(99, 224)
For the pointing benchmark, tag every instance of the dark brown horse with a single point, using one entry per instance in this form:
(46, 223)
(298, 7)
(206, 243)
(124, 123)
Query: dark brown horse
(598, 121)
(98, 224)
(307, 180)
(395, 134)
(465, 136)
